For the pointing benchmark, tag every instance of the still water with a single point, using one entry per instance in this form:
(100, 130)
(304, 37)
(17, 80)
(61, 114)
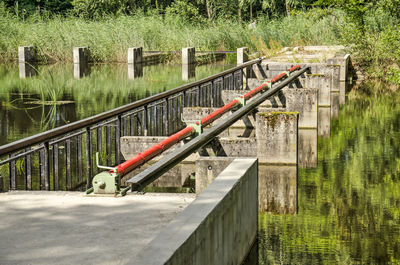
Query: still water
(55, 96)
(349, 204)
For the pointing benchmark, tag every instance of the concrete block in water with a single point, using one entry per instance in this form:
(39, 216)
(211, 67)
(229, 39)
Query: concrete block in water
(81, 70)
(27, 70)
(308, 148)
(27, 54)
(324, 121)
(208, 168)
(219, 227)
(188, 55)
(335, 103)
(277, 189)
(135, 55)
(81, 55)
(188, 71)
(305, 102)
(135, 70)
(276, 134)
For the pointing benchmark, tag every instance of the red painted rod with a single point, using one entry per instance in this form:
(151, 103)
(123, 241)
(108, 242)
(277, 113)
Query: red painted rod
(153, 151)
(157, 149)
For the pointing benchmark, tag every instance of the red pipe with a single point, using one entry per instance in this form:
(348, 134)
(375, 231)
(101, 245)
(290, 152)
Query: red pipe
(153, 151)
(157, 149)
(218, 113)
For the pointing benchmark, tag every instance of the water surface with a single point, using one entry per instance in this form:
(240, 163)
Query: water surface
(349, 205)
(54, 97)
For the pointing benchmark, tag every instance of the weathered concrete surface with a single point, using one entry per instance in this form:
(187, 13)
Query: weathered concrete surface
(175, 177)
(69, 228)
(188, 55)
(308, 148)
(207, 169)
(276, 134)
(219, 227)
(277, 189)
(324, 121)
(335, 103)
(242, 56)
(188, 71)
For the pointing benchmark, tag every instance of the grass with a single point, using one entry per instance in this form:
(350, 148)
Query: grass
(110, 37)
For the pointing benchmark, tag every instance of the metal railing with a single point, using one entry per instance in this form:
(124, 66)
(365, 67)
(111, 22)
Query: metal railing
(62, 158)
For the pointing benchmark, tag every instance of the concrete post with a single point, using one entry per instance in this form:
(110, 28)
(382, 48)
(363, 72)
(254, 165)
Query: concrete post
(135, 55)
(308, 148)
(335, 98)
(242, 56)
(324, 121)
(27, 69)
(81, 70)
(188, 63)
(188, 55)
(81, 55)
(304, 101)
(208, 168)
(276, 134)
(277, 189)
(27, 54)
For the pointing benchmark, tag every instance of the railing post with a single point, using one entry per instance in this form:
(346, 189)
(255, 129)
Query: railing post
(88, 158)
(167, 116)
(46, 166)
(117, 141)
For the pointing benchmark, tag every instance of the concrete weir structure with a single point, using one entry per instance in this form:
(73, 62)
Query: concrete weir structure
(219, 227)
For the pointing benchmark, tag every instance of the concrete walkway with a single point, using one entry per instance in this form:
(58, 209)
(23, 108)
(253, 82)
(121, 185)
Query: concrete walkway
(69, 228)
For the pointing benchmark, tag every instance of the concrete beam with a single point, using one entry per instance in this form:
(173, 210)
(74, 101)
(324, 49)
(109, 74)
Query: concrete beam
(276, 134)
(219, 227)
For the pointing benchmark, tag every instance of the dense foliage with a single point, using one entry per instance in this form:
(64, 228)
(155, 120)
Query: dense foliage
(370, 27)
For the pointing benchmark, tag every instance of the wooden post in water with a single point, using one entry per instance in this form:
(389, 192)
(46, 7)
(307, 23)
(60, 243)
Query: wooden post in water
(188, 63)
(27, 59)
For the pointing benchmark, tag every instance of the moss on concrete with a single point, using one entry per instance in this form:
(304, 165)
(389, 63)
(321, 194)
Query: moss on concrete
(272, 117)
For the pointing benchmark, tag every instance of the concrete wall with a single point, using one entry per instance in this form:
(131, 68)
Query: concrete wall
(208, 168)
(219, 227)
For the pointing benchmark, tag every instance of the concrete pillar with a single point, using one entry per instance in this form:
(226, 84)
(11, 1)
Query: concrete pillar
(324, 121)
(277, 189)
(188, 55)
(135, 55)
(135, 70)
(81, 55)
(305, 102)
(208, 168)
(308, 148)
(276, 134)
(335, 103)
(242, 56)
(27, 54)
(27, 59)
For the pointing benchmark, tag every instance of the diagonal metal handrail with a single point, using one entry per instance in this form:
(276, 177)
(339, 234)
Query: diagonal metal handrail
(84, 123)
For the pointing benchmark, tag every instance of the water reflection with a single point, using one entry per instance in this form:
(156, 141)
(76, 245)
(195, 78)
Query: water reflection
(27, 70)
(81, 70)
(335, 99)
(135, 70)
(106, 87)
(188, 71)
(308, 144)
(277, 189)
(324, 121)
(348, 207)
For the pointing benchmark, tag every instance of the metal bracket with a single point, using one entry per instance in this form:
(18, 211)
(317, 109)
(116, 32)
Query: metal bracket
(242, 101)
(198, 128)
(113, 169)
(287, 73)
(268, 84)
